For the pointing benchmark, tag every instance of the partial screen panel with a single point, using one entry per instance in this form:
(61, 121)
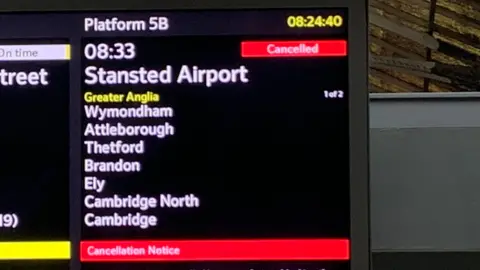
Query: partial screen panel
(34, 148)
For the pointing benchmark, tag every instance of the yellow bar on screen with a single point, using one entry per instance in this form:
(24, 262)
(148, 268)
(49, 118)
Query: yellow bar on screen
(49, 250)
(68, 53)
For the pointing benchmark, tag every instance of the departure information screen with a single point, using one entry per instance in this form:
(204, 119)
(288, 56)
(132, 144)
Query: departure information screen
(193, 140)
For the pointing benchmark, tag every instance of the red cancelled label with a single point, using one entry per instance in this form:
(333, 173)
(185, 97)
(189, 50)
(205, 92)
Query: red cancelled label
(299, 48)
(215, 250)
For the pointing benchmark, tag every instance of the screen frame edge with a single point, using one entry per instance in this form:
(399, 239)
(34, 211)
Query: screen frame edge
(358, 84)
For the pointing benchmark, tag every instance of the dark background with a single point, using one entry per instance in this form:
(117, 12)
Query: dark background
(34, 265)
(34, 153)
(267, 159)
(222, 266)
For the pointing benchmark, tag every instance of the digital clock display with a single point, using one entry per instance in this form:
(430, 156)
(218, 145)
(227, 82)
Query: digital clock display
(310, 21)
(175, 140)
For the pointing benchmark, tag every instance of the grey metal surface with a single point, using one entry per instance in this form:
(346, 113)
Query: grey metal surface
(425, 188)
(458, 111)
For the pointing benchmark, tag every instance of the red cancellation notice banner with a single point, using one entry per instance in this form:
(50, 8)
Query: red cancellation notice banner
(215, 250)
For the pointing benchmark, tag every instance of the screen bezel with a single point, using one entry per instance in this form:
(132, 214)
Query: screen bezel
(358, 84)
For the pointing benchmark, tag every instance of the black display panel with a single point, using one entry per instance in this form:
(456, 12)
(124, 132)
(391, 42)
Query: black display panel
(181, 140)
(185, 159)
